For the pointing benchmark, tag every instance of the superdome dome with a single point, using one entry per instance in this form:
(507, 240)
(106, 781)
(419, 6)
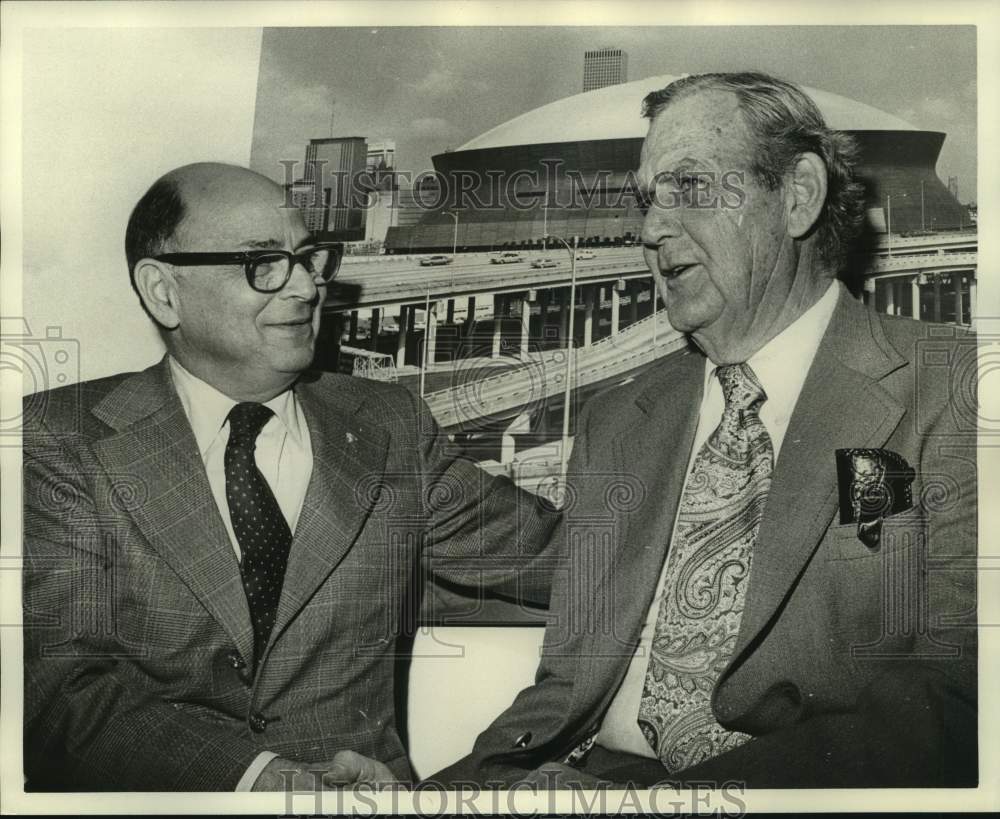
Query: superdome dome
(615, 112)
(567, 168)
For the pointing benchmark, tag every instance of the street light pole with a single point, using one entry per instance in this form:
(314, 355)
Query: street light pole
(888, 221)
(454, 238)
(923, 226)
(567, 379)
(427, 326)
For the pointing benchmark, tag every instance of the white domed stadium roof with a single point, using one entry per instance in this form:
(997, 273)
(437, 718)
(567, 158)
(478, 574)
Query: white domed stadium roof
(615, 112)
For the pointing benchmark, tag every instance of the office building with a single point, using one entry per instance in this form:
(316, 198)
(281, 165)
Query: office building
(953, 186)
(603, 67)
(333, 206)
(381, 156)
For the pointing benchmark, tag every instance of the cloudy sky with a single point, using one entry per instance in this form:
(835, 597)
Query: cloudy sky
(435, 88)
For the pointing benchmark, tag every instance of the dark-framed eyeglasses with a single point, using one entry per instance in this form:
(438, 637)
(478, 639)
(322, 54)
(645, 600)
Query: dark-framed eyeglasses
(267, 271)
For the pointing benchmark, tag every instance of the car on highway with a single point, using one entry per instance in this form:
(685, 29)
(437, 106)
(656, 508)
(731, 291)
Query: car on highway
(429, 261)
(585, 254)
(507, 257)
(546, 262)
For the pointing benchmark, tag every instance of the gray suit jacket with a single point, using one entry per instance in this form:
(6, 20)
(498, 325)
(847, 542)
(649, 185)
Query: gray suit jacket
(137, 633)
(854, 666)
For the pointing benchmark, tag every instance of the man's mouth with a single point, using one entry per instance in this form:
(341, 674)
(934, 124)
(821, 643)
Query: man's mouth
(293, 323)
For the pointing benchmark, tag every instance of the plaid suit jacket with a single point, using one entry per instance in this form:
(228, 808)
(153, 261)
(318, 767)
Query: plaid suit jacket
(137, 632)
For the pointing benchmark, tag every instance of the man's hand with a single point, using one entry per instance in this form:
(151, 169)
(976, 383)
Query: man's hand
(351, 768)
(559, 776)
(345, 769)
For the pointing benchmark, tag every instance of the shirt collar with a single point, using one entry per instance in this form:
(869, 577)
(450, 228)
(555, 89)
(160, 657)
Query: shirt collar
(207, 409)
(782, 364)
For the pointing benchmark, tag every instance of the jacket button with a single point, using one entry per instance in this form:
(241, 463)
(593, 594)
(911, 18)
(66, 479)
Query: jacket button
(523, 740)
(257, 722)
(235, 660)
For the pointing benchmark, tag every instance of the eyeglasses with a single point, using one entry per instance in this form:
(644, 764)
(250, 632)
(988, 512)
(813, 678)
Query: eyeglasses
(267, 271)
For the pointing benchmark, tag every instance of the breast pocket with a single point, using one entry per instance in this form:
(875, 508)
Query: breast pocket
(897, 533)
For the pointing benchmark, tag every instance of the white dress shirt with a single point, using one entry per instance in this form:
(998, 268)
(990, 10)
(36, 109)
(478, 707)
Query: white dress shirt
(781, 365)
(283, 453)
(283, 456)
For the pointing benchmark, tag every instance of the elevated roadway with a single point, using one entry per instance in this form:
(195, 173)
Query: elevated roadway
(396, 280)
(540, 376)
(930, 243)
(907, 264)
(543, 375)
(382, 280)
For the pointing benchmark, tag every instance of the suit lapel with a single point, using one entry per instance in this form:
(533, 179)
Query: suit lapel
(154, 450)
(652, 446)
(841, 405)
(348, 465)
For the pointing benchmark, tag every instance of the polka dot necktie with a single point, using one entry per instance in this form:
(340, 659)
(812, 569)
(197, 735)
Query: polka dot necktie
(261, 529)
(706, 578)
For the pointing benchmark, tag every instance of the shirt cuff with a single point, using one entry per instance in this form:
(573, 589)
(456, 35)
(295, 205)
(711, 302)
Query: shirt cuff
(256, 768)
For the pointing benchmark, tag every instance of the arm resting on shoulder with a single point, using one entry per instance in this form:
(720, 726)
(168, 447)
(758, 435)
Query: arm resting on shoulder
(483, 531)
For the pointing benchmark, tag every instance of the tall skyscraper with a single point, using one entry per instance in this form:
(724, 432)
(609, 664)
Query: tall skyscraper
(328, 193)
(603, 67)
(953, 186)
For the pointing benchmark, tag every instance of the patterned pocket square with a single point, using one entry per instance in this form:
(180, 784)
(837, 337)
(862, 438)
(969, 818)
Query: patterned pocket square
(873, 484)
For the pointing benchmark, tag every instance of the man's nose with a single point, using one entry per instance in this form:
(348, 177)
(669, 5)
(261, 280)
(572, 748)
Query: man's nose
(301, 284)
(661, 223)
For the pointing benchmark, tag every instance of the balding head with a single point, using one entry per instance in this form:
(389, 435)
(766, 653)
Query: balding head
(190, 194)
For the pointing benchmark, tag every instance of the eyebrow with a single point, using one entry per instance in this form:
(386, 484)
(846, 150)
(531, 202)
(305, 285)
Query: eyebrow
(262, 244)
(686, 170)
(275, 244)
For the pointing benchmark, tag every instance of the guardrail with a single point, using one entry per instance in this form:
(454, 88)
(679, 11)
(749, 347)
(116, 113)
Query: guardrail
(931, 240)
(902, 262)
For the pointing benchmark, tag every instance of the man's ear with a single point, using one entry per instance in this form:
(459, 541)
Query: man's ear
(158, 290)
(805, 193)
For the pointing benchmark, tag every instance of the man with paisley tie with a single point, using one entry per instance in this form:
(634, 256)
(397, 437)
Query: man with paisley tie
(720, 622)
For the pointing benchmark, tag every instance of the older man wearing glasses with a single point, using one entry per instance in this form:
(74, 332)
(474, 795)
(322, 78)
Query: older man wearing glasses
(220, 550)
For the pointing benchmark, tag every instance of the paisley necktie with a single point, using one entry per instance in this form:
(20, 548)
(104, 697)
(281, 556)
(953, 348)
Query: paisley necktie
(706, 579)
